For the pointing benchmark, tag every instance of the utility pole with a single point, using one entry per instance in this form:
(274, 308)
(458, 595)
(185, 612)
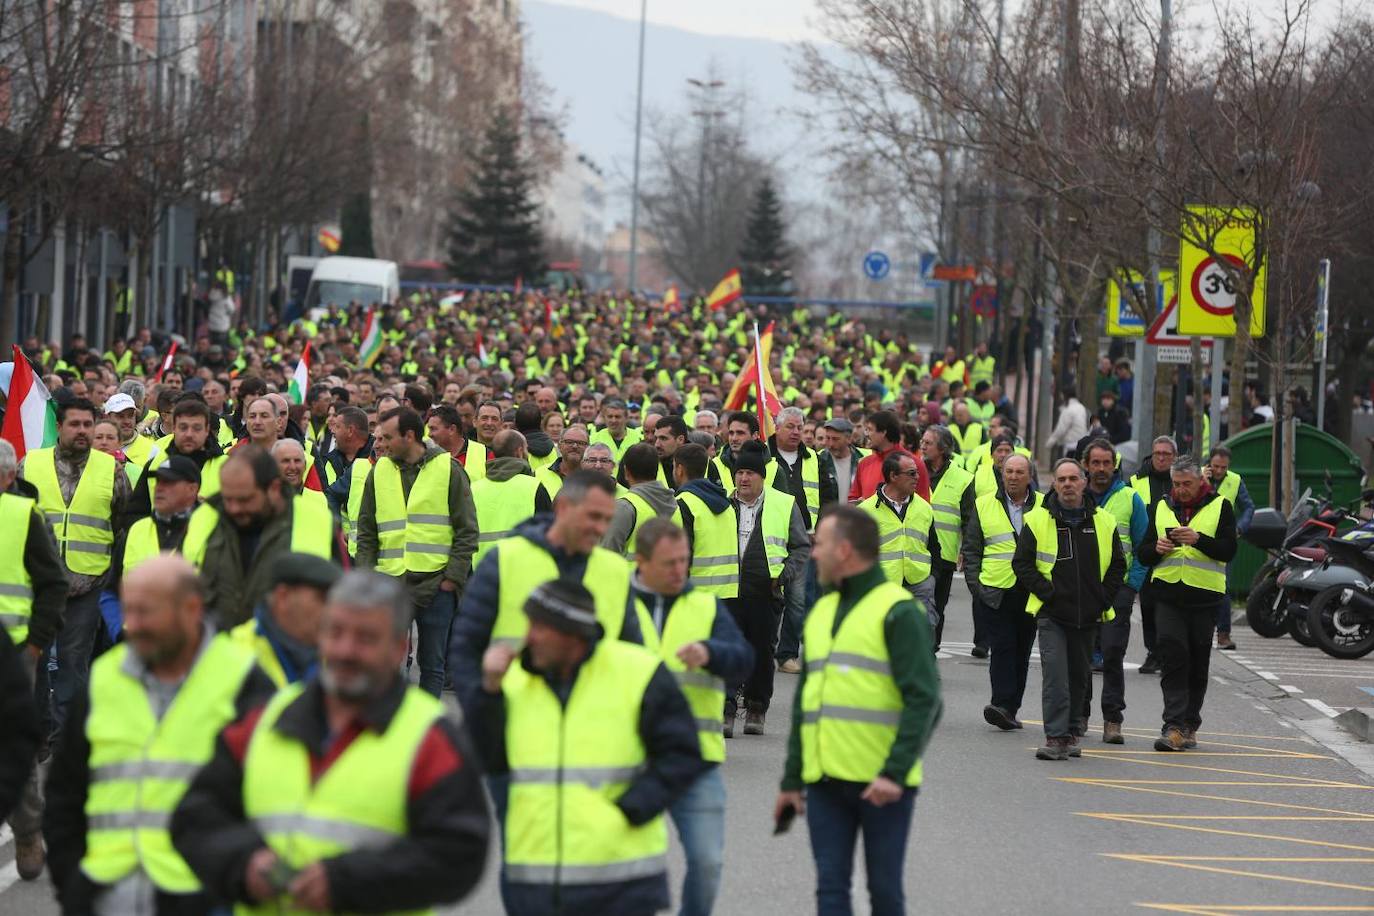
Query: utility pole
(1143, 406)
(634, 187)
(707, 111)
(1323, 317)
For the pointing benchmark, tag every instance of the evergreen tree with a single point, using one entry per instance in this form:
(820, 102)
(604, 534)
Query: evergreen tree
(765, 259)
(355, 226)
(493, 231)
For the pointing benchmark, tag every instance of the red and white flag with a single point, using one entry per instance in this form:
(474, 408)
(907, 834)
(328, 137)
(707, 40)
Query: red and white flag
(166, 362)
(481, 349)
(30, 420)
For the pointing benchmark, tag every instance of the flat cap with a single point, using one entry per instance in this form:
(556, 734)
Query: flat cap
(305, 569)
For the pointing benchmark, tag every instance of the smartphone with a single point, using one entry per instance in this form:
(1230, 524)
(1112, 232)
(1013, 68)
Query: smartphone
(785, 819)
(280, 876)
(1169, 534)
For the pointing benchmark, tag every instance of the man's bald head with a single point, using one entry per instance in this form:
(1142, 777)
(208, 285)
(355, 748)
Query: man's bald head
(164, 610)
(290, 457)
(509, 444)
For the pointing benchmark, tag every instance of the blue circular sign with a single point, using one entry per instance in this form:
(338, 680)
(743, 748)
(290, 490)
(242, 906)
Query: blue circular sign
(876, 265)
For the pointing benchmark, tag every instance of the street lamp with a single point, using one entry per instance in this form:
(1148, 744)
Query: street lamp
(639, 119)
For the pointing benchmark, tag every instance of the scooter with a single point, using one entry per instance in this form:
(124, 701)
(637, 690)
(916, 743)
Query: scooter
(1339, 607)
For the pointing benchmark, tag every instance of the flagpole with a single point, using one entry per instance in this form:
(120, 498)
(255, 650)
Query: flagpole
(758, 385)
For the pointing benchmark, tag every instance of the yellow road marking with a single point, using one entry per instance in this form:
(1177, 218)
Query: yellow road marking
(1211, 769)
(1233, 817)
(1142, 820)
(1219, 798)
(1280, 755)
(1222, 908)
(1338, 885)
(1147, 855)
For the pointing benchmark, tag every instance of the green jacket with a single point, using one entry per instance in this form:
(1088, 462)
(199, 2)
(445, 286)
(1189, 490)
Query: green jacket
(912, 656)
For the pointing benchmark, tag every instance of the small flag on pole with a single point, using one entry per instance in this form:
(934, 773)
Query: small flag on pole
(30, 420)
(769, 404)
(300, 379)
(166, 362)
(671, 301)
(481, 349)
(727, 290)
(371, 346)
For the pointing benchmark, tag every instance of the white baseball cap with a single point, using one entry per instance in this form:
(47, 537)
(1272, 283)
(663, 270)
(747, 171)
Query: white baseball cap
(118, 403)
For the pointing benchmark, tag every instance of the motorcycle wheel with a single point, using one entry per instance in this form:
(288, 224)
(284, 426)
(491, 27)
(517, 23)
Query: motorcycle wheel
(1297, 626)
(1261, 612)
(1337, 630)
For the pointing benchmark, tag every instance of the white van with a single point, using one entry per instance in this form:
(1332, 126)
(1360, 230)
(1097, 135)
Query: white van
(343, 280)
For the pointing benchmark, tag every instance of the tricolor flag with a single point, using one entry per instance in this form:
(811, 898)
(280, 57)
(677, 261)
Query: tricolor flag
(481, 349)
(671, 302)
(30, 420)
(371, 346)
(727, 290)
(166, 362)
(300, 379)
(553, 325)
(768, 402)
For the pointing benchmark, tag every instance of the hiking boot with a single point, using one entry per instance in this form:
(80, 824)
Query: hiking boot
(1171, 740)
(979, 652)
(1190, 737)
(1054, 749)
(1150, 665)
(753, 722)
(1111, 733)
(790, 666)
(996, 715)
(1224, 641)
(29, 856)
(1075, 749)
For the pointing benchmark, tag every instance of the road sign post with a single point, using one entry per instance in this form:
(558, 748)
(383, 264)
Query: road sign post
(1323, 316)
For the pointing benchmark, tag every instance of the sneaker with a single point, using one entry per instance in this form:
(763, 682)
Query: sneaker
(979, 652)
(790, 666)
(1097, 662)
(996, 715)
(1054, 749)
(29, 856)
(753, 722)
(1190, 737)
(1171, 740)
(1075, 749)
(1150, 665)
(1224, 641)
(1111, 733)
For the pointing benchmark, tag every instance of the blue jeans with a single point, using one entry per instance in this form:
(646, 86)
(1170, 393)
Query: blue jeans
(74, 646)
(699, 815)
(799, 597)
(834, 816)
(1224, 614)
(434, 623)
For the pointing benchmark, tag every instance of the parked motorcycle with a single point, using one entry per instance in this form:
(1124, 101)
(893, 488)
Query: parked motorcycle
(1344, 562)
(1339, 609)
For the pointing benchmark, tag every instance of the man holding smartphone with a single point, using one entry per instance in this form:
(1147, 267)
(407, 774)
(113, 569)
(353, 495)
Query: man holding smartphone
(864, 711)
(1192, 536)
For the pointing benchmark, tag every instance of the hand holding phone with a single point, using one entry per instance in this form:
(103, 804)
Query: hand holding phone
(785, 811)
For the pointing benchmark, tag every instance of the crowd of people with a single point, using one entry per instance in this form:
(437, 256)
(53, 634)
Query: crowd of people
(564, 510)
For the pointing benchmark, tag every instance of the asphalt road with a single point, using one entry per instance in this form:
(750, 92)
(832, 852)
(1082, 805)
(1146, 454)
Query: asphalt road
(1262, 817)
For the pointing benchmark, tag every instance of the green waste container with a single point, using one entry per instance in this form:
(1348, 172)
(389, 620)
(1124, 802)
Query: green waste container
(1318, 453)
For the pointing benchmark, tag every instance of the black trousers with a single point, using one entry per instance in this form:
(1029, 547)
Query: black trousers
(758, 618)
(1010, 633)
(944, 577)
(1185, 648)
(1115, 636)
(1147, 616)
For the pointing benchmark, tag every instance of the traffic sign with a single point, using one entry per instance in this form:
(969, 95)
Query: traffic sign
(955, 272)
(1172, 347)
(1207, 301)
(1122, 319)
(983, 300)
(928, 261)
(877, 265)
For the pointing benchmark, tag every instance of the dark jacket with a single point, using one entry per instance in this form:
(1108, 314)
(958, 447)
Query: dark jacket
(1073, 595)
(477, 611)
(237, 570)
(171, 533)
(1161, 482)
(912, 660)
(732, 658)
(43, 562)
(673, 762)
(711, 493)
(754, 580)
(20, 715)
(827, 461)
(439, 860)
(141, 501)
(660, 499)
(462, 517)
(795, 485)
(64, 814)
(1116, 422)
(337, 492)
(538, 443)
(1220, 547)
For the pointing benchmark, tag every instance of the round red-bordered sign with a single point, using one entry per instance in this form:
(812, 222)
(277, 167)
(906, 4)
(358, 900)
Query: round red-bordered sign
(1209, 272)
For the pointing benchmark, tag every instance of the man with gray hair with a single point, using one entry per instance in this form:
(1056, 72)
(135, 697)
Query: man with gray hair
(407, 836)
(1153, 483)
(706, 421)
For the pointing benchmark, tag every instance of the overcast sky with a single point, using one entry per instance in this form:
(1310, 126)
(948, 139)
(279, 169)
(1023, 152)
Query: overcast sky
(780, 20)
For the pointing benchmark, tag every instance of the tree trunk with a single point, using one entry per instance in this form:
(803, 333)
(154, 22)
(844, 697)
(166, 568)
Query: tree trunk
(1199, 443)
(10, 281)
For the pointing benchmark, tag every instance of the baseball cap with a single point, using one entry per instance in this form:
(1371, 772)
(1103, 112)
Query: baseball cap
(118, 403)
(178, 468)
(839, 425)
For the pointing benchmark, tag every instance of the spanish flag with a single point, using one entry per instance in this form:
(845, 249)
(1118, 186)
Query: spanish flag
(671, 302)
(768, 402)
(727, 290)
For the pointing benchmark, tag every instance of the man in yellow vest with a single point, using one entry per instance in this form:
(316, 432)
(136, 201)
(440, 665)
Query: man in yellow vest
(1153, 482)
(1068, 556)
(647, 498)
(174, 503)
(774, 547)
(509, 494)
(1231, 488)
(346, 468)
(708, 521)
(982, 366)
(614, 433)
(417, 523)
(951, 499)
(866, 704)
(346, 792)
(138, 449)
(284, 632)
(193, 439)
(133, 743)
(290, 457)
(478, 448)
(33, 593)
(1192, 536)
(988, 545)
(906, 529)
(82, 493)
(967, 432)
(572, 446)
(704, 650)
(599, 730)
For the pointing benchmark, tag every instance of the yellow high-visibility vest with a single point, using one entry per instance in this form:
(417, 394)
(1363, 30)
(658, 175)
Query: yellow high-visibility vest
(715, 547)
(414, 534)
(16, 585)
(903, 548)
(1188, 564)
(501, 506)
(84, 529)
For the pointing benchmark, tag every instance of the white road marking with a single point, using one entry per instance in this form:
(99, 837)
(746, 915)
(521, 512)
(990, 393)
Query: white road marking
(1290, 688)
(8, 875)
(1320, 707)
(1268, 675)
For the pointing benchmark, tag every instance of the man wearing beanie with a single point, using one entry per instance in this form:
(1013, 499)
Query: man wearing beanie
(773, 548)
(599, 730)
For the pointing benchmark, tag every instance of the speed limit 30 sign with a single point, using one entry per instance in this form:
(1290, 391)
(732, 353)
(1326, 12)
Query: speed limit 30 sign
(1207, 297)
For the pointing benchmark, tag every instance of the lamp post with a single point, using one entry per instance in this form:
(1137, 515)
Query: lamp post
(639, 120)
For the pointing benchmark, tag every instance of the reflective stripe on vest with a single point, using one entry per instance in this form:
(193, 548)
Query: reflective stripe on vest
(1046, 529)
(141, 766)
(690, 620)
(85, 535)
(644, 512)
(850, 703)
(524, 566)
(944, 502)
(16, 586)
(903, 551)
(501, 506)
(1188, 564)
(999, 540)
(776, 519)
(576, 758)
(715, 547)
(358, 803)
(413, 534)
